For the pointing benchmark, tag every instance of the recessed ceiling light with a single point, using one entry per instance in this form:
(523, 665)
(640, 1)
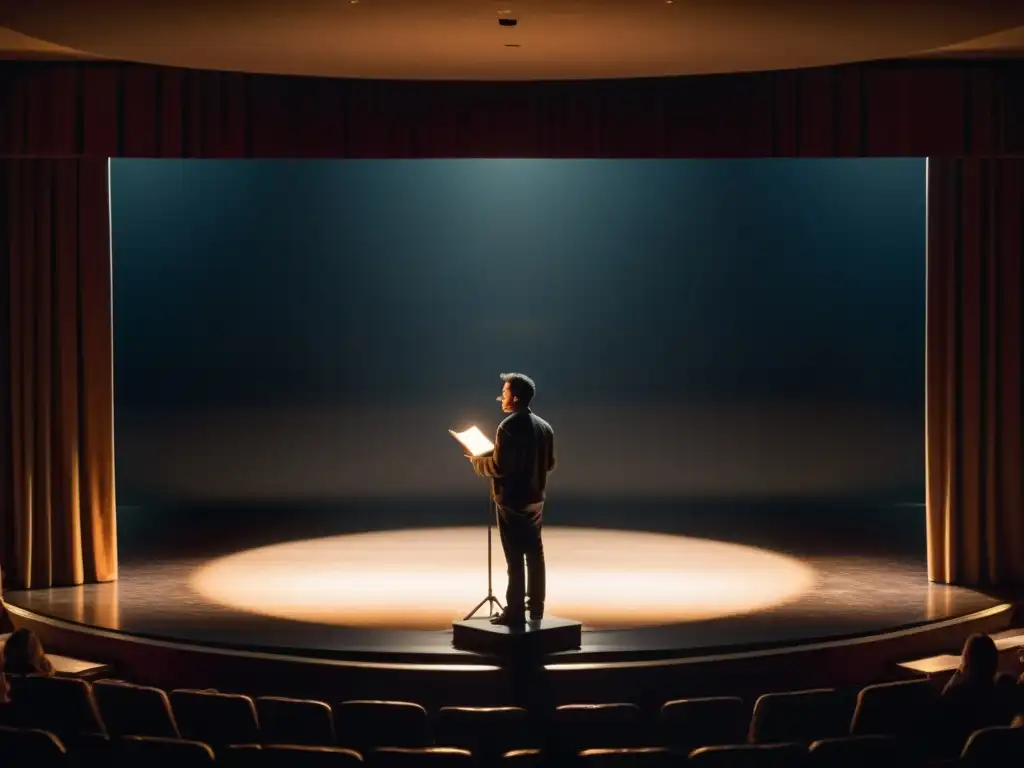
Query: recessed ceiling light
(504, 12)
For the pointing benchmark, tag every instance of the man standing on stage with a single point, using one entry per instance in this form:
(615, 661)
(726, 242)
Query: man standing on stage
(524, 454)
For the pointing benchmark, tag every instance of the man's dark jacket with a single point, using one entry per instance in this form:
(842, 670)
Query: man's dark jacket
(524, 454)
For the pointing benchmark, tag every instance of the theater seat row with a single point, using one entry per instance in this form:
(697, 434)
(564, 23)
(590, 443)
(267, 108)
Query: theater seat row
(69, 706)
(31, 748)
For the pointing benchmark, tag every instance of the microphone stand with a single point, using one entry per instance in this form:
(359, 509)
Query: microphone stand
(490, 600)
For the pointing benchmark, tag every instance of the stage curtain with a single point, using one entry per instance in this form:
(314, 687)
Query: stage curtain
(974, 385)
(56, 390)
(896, 108)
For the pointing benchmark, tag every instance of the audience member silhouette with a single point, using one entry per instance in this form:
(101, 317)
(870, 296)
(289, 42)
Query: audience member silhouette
(23, 655)
(976, 696)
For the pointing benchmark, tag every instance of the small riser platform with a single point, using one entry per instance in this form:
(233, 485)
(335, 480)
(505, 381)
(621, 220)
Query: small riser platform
(535, 638)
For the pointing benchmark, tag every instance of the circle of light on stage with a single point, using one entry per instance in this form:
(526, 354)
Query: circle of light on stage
(423, 579)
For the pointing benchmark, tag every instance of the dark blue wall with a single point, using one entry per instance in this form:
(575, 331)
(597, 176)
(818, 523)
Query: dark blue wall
(768, 314)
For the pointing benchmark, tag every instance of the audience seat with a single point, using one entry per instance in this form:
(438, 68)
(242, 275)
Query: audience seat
(411, 757)
(996, 745)
(701, 722)
(577, 727)
(91, 750)
(134, 710)
(63, 706)
(485, 731)
(239, 756)
(906, 709)
(641, 757)
(856, 751)
(364, 725)
(215, 718)
(31, 747)
(750, 756)
(295, 721)
(800, 716)
(157, 752)
(522, 758)
(300, 756)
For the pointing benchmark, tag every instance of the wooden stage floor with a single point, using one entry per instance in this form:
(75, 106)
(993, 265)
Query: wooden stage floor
(848, 575)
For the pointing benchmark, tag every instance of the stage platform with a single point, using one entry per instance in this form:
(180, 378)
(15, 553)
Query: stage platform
(852, 598)
(854, 609)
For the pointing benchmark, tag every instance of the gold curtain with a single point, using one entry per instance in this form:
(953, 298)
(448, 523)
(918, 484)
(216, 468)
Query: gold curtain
(974, 385)
(56, 387)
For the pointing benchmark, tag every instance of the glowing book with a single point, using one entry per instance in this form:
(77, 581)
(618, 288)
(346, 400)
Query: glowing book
(474, 441)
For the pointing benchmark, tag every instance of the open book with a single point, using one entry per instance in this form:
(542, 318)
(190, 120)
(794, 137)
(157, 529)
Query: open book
(474, 441)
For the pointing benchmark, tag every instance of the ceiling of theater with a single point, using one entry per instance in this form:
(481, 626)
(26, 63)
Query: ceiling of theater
(462, 39)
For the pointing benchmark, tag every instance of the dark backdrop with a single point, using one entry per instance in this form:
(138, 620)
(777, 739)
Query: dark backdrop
(292, 331)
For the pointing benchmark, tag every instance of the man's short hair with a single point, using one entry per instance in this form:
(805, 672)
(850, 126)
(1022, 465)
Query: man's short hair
(522, 386)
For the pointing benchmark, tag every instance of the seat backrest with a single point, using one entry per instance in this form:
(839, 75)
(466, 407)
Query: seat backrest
(411, 757)
(749, 756)
(61, 705)
(89, 750)
(239, 756)
(31, 746)
(295, 721)
(906, 708)
(703, 722)
(854, 751)
(365, 724)
(135, 710)
(641, 757)
(487, 731)
(522, 758)
(577, 727)
(215, 718)
(996, 745)
(800, 716)
(299, 756)
(157, 752)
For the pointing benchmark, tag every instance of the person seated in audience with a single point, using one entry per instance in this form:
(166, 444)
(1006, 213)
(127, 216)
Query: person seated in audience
(976, 696)
(1016, 692)
(23, 655)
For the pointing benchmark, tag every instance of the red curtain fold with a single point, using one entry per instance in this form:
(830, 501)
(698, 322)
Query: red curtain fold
(974, 386)
(57, 478)
(896, 108)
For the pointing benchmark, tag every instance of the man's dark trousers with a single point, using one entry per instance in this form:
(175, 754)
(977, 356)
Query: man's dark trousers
(519, 528)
